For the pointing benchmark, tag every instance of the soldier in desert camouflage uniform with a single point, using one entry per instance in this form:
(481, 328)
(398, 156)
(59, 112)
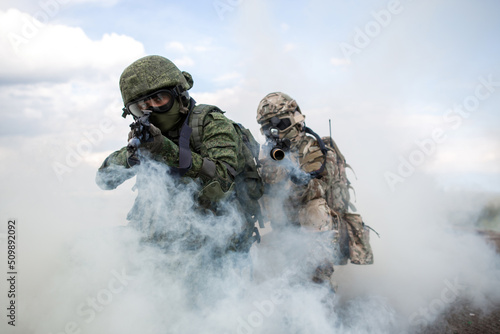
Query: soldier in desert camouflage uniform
(155, 84)
(310, 171)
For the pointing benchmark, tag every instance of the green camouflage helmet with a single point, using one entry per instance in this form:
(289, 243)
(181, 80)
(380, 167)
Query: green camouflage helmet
(275, 104)
(149, 74)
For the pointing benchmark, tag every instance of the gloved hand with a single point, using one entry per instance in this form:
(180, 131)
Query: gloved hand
(271, 172)
(153, 144)
(299, 177)
(132, 158)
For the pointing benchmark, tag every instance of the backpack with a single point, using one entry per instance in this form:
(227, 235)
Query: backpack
(249, 186)
(311, 159)
(353, 237)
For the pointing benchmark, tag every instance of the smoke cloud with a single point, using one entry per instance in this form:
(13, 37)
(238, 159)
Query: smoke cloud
(81, 270)
(106, 278)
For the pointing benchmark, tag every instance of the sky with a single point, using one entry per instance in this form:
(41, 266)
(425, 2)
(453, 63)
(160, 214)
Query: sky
(388, 73)
(412, 90)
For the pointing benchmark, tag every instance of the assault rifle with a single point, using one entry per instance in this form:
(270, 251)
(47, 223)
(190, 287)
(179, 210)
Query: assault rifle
(279, 148)
(278, 152)
(140, 134)
(280, 145)
(283, 145)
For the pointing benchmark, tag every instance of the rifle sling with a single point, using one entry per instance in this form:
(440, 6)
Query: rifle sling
(185, 155)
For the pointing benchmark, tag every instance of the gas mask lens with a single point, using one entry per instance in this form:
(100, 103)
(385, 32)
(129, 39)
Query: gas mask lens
(277, 125)
(160, 101)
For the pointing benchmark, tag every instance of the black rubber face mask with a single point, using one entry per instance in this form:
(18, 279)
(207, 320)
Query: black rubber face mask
(276, 123)
(280, 128)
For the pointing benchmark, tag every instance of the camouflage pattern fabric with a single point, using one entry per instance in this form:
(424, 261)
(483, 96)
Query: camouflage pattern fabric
(149, 74)
(275, 104)
(333, 185)
(321, 195)
(360, 251)
(219, 143)
(320, 206)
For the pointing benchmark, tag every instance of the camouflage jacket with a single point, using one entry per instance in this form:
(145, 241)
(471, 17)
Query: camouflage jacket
(219, 149)
(320, 205)
(304, 157)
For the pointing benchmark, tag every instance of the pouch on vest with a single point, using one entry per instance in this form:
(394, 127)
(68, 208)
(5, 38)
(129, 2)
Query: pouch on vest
(360, 251)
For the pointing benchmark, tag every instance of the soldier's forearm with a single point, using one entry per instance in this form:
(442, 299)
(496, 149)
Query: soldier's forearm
(114, 170)
(208, 170)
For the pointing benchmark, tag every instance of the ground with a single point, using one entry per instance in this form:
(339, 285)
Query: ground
(462, 318)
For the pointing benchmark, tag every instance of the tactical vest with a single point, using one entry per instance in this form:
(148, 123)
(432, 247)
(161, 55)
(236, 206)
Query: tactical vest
(249, 186)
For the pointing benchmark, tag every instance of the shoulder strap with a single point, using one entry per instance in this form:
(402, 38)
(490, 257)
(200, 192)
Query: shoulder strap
(324, 150)
(196, 121)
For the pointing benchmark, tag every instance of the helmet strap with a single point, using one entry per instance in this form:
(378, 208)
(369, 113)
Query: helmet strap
(298, 117)
(125, 112)
(184, 99)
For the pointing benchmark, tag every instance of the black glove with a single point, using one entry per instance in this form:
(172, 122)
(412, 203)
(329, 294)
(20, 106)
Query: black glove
(153, 144)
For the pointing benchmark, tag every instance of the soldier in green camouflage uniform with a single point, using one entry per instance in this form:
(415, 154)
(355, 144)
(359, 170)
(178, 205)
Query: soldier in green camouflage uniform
(154, 83)
(314, 182)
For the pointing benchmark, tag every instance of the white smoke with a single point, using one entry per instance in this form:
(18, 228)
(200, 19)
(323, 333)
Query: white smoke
(108, 280)
(81, 271)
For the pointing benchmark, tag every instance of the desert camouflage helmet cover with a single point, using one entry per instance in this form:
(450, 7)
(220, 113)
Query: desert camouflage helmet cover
(275, 104)
(149, 74)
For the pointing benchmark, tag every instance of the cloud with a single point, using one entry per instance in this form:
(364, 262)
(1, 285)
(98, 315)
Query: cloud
(176, 46)
(340, 61)
(106, 3)
(180, 48)
(36, 51)
(59, 82)
(47, 5)
(290, 47)
(184, 62)
(232, 76)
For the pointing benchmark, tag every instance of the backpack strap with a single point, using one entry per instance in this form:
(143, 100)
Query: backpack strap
(196, 121)
(324, 151)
